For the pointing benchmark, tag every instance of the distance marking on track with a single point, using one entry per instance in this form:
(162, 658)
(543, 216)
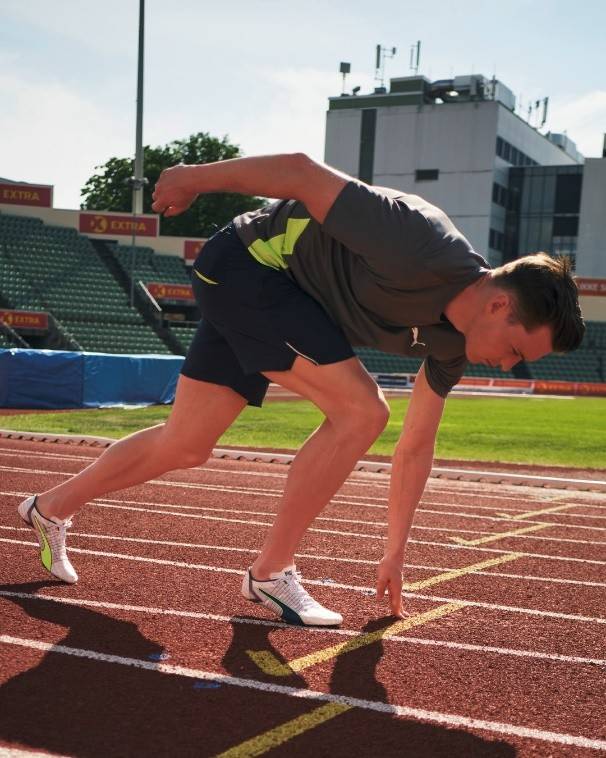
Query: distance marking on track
(285, 732)
(543, 511)
(456, 573)
(502, 535)
(436, 717)
(269, 664)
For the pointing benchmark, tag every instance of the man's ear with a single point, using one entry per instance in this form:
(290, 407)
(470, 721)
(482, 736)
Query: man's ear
(500, 303)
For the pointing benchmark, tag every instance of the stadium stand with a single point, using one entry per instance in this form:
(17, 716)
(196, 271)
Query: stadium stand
(56, 269)
(84, 286)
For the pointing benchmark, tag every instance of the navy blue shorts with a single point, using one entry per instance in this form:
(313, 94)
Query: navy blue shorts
(254, 319)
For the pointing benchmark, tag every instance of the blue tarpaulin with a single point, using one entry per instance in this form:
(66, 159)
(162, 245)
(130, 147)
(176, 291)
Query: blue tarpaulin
(59, 379)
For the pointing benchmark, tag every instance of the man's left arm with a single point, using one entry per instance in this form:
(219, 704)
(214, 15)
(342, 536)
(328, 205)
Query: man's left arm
(411, 466)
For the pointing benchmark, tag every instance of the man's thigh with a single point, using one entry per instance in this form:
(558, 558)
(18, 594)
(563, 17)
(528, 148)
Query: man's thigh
(335, 388)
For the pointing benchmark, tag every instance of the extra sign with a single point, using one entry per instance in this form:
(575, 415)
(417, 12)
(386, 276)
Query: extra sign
(114, 225)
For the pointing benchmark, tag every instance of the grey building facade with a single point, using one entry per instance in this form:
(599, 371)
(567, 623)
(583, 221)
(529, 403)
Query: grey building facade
(459, 144)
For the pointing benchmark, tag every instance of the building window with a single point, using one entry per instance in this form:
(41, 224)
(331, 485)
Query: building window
(499, 194)
(367, 145)
(427, 174)
(496, 240)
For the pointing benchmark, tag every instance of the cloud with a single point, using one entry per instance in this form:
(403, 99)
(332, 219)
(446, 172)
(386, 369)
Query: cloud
(52, 135)
(294, 116)
(583, 118)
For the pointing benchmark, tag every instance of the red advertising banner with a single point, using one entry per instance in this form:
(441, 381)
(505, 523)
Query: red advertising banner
(170, 291)
(24, 319)
(106, 223)
(589, 286)
(26, 194)
(191, 249)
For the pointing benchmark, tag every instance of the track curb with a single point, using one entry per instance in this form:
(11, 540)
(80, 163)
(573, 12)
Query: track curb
(456, 474)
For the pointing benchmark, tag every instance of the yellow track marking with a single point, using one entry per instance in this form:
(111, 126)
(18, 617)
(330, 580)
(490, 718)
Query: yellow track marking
(274, 737)
(269, 664)
(455, 573)
(500, 535)
(530, 514)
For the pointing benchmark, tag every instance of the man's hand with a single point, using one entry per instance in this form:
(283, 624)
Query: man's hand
(389, 577)
(173, 193)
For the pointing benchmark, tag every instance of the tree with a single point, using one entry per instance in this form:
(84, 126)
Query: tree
(109, 190)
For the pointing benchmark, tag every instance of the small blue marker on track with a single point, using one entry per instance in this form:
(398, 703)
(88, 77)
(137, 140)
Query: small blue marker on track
(158, 656)
(204, 684)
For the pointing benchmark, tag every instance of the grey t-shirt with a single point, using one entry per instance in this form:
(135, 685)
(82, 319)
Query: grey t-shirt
(384, 265)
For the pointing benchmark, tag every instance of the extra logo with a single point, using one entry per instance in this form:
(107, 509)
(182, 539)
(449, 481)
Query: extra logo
(98, 225)
(415, 337)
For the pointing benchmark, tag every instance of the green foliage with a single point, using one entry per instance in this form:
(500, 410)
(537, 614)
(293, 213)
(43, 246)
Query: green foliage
(108, 189)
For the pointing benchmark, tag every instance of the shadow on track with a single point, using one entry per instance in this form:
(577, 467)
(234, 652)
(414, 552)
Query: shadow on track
(357, 731)
(87, 708)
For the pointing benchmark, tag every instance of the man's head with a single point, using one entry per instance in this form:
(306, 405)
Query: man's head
(529, 308)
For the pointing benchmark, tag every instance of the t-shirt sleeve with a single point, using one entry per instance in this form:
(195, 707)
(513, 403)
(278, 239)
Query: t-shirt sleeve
(377, 225)
(443, 375)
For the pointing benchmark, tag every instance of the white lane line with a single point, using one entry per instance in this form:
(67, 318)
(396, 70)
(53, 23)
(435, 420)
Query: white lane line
(13, 752)
(449, 719)
(339, 519)
(361, 535)
(314, 556)
(332, 586)
(213, 466)
(412, 540)
(199, 615)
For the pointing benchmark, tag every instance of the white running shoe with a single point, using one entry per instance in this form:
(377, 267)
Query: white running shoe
(51, 536)
(284, 594)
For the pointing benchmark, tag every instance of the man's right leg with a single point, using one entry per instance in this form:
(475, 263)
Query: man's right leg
(202, 411)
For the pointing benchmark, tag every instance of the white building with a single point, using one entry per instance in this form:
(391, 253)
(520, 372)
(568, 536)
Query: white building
(452, 141)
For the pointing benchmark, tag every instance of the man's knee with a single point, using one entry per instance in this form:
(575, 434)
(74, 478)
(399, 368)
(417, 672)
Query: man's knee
(366, 418)
(179, 451)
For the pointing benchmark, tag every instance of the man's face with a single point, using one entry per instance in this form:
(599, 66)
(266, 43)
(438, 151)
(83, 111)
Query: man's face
(494, 339)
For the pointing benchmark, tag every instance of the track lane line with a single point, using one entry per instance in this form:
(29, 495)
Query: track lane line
(280, 625)
(448, 719)
(332, 585)
(332, 558)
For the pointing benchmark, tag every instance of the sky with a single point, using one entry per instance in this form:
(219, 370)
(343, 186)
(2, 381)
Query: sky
(260, 72)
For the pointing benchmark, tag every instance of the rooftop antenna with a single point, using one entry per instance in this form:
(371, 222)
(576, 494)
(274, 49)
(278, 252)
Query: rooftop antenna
(382, 54)
(415, 56)
(545, 107)
(344, 69)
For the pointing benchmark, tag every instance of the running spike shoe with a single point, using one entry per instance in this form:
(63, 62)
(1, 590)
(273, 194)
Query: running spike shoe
(284, 594)
(51, 536)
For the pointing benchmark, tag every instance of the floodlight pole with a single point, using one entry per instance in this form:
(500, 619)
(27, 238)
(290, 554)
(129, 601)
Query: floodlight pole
(138, 181)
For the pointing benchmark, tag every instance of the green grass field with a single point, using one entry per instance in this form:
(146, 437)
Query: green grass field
(519, 430)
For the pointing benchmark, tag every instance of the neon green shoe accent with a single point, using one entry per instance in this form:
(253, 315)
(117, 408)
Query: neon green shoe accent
(204, 278)
(271, 252)
(46, 555)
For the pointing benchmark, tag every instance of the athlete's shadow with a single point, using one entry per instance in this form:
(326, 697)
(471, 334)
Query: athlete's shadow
(254, 637)
(83, 707)
(354, 675)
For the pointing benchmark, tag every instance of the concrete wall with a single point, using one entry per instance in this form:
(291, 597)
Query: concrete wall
(591, 242)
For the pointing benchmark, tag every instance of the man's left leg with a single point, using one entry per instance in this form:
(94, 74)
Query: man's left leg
(356, 413)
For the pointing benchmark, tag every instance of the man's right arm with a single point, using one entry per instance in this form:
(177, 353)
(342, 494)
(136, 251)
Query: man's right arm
(289, 176)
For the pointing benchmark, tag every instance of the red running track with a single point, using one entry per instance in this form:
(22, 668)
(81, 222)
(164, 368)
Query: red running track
(154, 652)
